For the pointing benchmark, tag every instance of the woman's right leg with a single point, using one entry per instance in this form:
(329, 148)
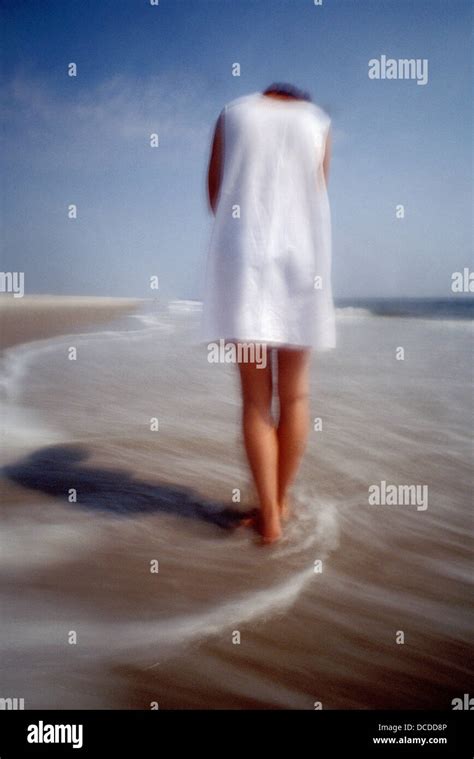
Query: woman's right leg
(293, 425)
(261, 443)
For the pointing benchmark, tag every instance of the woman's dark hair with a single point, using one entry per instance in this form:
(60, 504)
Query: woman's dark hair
(282, 88)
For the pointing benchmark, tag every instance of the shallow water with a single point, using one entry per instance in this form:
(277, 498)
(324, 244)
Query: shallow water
(305, 636)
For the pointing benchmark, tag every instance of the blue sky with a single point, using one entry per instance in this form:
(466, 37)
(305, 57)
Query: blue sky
(168, 69)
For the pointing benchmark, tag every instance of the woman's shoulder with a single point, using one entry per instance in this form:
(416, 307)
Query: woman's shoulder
(242, 100)
(322, 115)
(254, 98)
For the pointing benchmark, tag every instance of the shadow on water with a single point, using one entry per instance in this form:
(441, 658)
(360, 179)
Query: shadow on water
(55, 470)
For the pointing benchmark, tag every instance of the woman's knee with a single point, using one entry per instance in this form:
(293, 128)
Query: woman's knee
(293, 377)
(297, 398)
(257, 406)
(256, 391)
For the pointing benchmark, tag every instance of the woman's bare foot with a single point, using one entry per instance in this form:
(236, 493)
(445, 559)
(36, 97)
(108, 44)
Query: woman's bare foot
(269, 527)
(285, 510)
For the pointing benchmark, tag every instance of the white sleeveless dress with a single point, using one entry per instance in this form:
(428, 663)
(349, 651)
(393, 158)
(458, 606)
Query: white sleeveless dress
(268, 274)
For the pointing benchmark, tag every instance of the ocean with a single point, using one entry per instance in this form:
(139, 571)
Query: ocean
(125, 580)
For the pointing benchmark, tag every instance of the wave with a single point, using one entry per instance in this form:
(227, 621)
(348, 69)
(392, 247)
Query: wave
(439, 309)
(180, 306)
(190, 628)
(277, 576)
(24, 428)
(16, 362)
(313, 533)
(153, 320)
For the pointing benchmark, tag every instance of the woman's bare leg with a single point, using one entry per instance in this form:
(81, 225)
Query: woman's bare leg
(261, 443)
(293, 425)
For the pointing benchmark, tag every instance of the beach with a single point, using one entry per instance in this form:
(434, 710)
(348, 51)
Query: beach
(37, 316)
(125, 580)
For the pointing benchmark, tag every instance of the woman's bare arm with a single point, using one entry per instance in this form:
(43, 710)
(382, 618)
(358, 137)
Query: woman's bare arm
(215, 164)
(327, 156)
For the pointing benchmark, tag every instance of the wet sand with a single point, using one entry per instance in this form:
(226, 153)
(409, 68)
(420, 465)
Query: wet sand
(305, 637)
(35, 317)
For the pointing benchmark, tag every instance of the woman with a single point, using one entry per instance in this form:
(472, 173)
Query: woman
(268, 280)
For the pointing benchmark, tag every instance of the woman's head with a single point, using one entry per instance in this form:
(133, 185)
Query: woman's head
(282, 88)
